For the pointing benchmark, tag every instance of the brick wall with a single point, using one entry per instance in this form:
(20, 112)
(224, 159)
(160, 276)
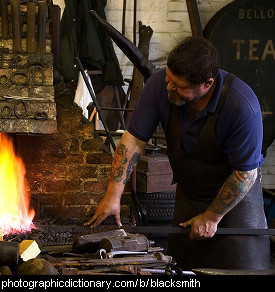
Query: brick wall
(67, 171)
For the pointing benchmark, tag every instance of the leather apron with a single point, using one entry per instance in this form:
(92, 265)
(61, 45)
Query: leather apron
(199, 175)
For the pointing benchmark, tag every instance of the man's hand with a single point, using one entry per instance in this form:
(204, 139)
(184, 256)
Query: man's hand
(125, 158)
(202, 226)
(107, 207)
(236, 186)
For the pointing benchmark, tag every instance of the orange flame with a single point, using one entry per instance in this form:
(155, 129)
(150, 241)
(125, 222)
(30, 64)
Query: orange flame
(15, 215)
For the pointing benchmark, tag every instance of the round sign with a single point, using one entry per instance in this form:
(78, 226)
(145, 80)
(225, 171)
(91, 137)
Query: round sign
(243, 33)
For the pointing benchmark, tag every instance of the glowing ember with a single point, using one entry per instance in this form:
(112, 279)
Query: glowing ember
(15, 215)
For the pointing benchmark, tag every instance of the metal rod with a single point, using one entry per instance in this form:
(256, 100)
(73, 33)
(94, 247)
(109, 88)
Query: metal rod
(220, 231)
(117, 109)
(91, 91)
(114, 133)
(120, 113)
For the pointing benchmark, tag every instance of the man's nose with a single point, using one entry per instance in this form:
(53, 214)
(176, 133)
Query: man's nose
(170, 86)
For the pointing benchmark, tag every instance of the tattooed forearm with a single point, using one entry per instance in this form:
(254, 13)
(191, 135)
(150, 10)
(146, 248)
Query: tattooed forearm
(118, 164)
(233, 191)
(131, 165)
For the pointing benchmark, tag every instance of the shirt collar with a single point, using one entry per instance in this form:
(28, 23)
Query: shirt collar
(214, 99)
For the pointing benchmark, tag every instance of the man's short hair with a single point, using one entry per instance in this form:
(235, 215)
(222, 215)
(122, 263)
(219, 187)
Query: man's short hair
(194, 58)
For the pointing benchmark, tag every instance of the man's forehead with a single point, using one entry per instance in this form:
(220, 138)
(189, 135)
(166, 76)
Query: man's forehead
(180, 80)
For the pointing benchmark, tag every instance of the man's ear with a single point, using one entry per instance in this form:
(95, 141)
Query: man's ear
(209, 83)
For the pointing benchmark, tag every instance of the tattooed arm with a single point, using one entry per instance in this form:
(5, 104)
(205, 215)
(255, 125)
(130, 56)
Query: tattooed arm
(232, 192)
(125, 159)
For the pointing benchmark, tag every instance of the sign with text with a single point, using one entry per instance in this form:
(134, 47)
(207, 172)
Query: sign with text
(244, 34)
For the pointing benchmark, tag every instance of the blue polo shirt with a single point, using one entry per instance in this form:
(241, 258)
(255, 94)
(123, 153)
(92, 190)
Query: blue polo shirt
(238, 128)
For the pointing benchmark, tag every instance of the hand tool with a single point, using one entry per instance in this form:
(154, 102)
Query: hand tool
(4, 19)
(55, 32)
(130, 242)
(156, 259)
(103, 254)
(145, 67)
(90, 242)
(93, 96)
(137, 82)
(42, 20)
(31, 11)
(16, 34)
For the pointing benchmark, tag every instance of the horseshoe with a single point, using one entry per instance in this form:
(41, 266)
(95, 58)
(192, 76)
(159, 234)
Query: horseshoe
(13, 81)
(15, 109)
(9, 112)
(38, 69)
(5, 79)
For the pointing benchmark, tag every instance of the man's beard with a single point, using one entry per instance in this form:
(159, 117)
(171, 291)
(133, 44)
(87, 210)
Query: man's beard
(174, 98)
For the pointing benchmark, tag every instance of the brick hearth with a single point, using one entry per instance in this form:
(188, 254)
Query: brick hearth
(69, 170)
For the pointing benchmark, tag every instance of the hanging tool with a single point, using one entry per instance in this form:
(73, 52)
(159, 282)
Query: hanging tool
(16, 27)
(91, 91)
(4, 19)
(55, 32)
(137, 82)
(145, 67)
(31, 11)
(42, 21)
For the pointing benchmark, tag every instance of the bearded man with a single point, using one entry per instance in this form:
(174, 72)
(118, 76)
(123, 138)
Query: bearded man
(213, 126)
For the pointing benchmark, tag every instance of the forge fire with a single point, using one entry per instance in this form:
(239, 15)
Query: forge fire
(15, 215)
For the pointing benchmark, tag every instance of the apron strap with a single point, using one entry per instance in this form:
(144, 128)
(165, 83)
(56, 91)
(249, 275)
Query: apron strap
(226, 85)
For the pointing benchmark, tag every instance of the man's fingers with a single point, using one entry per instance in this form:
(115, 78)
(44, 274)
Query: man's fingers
(92, 220)
(95, 221)
(188, 224)
(117, 219)
(185, 224)
(98, 221)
